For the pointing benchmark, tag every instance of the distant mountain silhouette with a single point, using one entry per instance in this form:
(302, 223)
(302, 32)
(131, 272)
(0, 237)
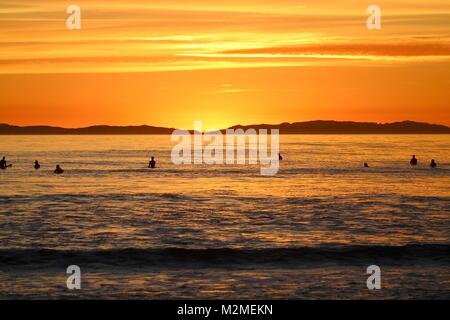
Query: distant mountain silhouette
(308, 127)
(46, 130)
(349, 127)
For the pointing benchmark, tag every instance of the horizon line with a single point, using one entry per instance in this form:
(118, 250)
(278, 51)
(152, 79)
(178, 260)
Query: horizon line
(233, 126)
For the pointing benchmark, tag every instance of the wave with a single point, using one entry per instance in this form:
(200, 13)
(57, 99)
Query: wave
(222, 257)
(88, 199)
(83, 198)
(239, 171)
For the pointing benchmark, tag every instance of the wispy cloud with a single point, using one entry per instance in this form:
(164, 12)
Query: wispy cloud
(162, 35)
(357, 49)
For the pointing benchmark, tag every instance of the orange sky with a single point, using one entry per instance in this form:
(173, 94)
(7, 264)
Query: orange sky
(170, 62)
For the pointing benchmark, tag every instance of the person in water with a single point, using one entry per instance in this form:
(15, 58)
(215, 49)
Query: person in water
(152, 163)
(280, 157)
(58, 170)
(433, 163)
(366, 165)
(3, 163)
(36, 165)
(413, 161)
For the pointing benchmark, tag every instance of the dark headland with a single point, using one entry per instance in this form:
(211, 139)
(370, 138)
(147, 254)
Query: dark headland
(307, 127)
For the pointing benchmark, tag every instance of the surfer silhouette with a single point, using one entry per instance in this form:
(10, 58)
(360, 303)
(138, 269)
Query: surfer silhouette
(152, 163)
(433, 163)
(3, 164)
(58, 170)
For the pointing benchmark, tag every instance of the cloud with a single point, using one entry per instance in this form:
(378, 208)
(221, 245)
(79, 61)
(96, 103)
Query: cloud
(357, 49)
(192, 34)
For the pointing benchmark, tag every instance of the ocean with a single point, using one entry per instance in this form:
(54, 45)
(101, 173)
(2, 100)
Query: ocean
(225, 231)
